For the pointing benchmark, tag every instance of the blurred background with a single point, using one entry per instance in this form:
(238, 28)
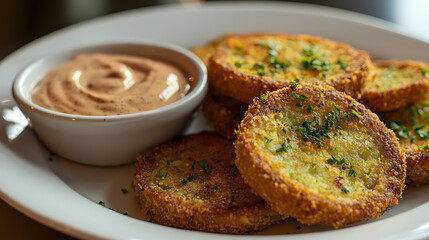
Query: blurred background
(23, 21)
(26, 20)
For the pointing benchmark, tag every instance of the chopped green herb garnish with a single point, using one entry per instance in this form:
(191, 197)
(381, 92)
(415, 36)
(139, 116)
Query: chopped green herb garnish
(337, 112)
(342, 64)
(278, 65)
(238, 64)
(352, 172)
(273, 53)
(396, 125)
(308, 51)
(403, 133)
(293, 85)
(204, 165)
(424, 147)
(422, 134)
(268, 140)
(260, 72)
(299, 103)
(168, 162)
(190, 178)
(259, 66)
(102, 203)
(354, 104)
(332, 160)
(284, 130)
(124, 191)
(344, 165)
(347, 115)
(315, 130)
(345, 190)
(315, 64)
(162, 176)
(263, 100)
(356, 114)
(309, 108)
(302, 96)
(284, 147)
(424, 71)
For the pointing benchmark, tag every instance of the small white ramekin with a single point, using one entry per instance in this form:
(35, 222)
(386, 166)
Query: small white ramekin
(110, 140)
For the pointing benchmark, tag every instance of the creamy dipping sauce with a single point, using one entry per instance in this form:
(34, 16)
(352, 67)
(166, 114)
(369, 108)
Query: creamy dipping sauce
(108, 84)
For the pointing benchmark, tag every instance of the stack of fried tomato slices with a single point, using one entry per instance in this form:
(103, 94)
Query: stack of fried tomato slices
(298, 134)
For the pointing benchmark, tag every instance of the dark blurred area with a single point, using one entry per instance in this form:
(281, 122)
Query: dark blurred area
(26, 20)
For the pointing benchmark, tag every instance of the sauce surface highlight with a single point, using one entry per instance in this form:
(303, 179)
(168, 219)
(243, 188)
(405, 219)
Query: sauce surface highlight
(108, 84)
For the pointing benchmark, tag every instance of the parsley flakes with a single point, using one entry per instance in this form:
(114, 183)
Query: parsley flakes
(424, 147)
(161, 175)
(203, 164)
(342, 64)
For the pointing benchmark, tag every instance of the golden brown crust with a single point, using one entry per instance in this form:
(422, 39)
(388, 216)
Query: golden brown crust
(410, 124)
(224, 113)
(417, 167)
(192, 183)
(242, 84)
(204, 52)
(287, 195)
(385, 93)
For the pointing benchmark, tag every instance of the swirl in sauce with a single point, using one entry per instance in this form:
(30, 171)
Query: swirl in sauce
(107, 84)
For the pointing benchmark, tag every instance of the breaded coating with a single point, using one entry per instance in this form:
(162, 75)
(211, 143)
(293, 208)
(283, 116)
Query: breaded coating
(395, 84)
(192, 183)
(224, 113)
(204, 52)
(411, 125)
(319, 156)
(246, 67)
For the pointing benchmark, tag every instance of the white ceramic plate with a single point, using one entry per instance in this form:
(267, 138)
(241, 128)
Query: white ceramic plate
(65, 195)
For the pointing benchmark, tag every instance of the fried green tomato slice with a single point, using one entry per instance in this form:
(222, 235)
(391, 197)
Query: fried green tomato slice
(317, 155)
(411, 126)
(248, 66)
(223, 112)
(192, 183)
(395, 84)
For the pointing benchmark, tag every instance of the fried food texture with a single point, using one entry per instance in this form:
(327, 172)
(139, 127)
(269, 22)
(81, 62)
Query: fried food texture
(319, 156)
(192, 183)
(411, 126)
(206, 51)
(246, 67)
(395, 84)
(224, 113)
